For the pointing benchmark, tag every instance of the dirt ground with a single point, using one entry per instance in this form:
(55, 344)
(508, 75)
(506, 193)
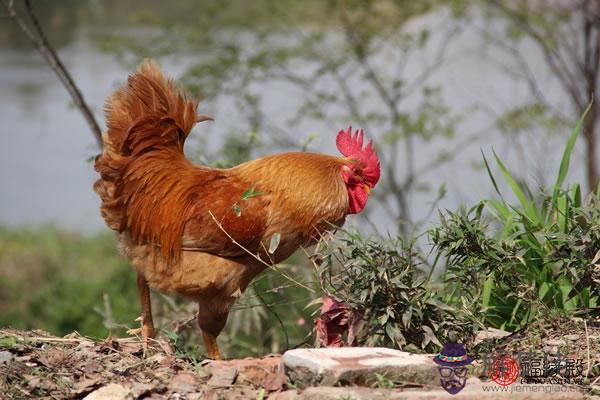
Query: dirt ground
(35, 364)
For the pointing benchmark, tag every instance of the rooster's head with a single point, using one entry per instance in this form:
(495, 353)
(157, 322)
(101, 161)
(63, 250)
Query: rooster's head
(362, 171)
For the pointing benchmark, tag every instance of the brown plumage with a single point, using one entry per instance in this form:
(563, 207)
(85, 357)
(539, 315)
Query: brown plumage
(176, 220)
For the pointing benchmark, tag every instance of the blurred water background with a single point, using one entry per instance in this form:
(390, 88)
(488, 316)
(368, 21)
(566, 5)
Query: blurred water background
(45, 147)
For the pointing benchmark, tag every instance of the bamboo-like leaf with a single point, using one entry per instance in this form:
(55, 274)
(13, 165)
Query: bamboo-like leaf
(249, 193)
(488, 286)
(500, 210)
(576, 195)
(528, 205)
(513, 314)
(566, 158)
(489, 171)
(274, 244)
(543, 290)
(562, 210)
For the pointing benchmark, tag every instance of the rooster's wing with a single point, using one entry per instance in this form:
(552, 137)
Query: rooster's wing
(228, 209)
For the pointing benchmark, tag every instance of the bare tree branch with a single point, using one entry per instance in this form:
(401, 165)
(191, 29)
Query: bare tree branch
(576, 71)
(36, 34)
(553, 58)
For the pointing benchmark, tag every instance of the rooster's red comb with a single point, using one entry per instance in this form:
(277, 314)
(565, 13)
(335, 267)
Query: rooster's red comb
(351, 146)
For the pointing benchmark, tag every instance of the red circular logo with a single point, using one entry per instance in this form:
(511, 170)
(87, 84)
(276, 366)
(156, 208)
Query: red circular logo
(504, 371)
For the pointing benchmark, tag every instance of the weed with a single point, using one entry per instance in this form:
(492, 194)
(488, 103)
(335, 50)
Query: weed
(381, 279)
(518, 264)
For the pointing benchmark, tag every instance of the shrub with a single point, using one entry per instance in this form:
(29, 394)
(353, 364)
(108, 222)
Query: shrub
(541, 258)
(381, 279)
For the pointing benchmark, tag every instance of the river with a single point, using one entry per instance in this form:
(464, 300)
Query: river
(46, 175)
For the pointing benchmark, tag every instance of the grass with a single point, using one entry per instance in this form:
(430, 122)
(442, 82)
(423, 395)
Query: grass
(60, 282)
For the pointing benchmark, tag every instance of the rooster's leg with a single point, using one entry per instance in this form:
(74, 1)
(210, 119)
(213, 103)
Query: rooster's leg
(211, 322)
(147, 324)
(212, 348)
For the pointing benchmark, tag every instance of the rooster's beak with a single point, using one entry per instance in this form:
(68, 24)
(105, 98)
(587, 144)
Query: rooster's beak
(202, 118)
(367, 188)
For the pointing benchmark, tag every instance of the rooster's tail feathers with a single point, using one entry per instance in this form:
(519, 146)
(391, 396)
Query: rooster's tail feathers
(147, 113)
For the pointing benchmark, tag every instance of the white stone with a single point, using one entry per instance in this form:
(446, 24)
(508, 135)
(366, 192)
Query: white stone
(111, 391)
(357, 365)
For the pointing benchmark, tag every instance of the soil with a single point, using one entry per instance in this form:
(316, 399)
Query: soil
(35, 364)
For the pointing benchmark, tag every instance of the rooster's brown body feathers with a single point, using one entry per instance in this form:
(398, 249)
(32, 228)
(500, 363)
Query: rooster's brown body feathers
(176, 220)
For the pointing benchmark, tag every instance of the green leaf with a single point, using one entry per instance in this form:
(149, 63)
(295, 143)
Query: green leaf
(544, 288)
(566, 158)
(489, 171)
(528, 205)
(502, 211)
(576, 189)
(488, 286)
(248, 194)
(442, 190)
(274, 244)
(562, 208)
(237, 209)
(513, 314)
(8, 342)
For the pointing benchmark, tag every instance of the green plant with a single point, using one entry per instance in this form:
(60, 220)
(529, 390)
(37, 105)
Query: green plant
(383, 382)
(541, 258)
(382, 280)
(56, 280)
(61, 282)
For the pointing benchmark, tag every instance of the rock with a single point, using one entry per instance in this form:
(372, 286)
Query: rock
(86, 385)
(140, 390)
(222, 377)
(250, 371)
(489, 333)
(110, 392)
(183, 382)
(52, 358)
(287, 395)
(357, 366)
(237, 393)
(274, 382)
(572, 338)
(6, 357)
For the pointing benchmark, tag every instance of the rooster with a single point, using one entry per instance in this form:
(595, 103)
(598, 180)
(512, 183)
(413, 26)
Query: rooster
(204, 232)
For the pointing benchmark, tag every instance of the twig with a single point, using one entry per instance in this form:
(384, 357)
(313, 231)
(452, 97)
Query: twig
(53, 340)
(270, 309)
(36, 34)
(182, 324)
(273, 267)
(587, 339)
